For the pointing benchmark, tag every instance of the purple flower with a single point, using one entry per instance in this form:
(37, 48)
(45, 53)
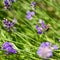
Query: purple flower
(42, 24)
(44, 50)
(44, 44)
(37, 26)
(9, 24)
(5, 21)
(11, 50)
(55, 47)
(39, 29)
(14, 51)
(30, 14)
(33, 3)
(7, 46)
(29, 17)
(7, 4)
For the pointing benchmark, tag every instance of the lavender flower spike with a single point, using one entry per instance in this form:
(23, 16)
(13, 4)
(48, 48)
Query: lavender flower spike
(33, 4)
(30, 14)
(8, 47)
(39, 29)
(7, 24)
(7, 4)
(37, 26)
(44, 51)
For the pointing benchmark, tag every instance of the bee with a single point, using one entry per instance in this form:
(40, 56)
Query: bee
(47, 27)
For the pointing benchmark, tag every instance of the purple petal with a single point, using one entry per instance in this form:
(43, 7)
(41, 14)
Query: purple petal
(14, 51)
(33, 3)
(55, 47)
(47, 43)
(50, 54)
(37, 26)
(9, 25)
(39, 30)
(9, 49)
(32, 13)
(44, 51)
(6, 2)
(28, 13)
(43, 44)
(42, 24)
(29, 17)
(5, 21)
(6, 44)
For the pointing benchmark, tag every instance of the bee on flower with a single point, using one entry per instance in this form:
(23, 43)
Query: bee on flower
(43, 27)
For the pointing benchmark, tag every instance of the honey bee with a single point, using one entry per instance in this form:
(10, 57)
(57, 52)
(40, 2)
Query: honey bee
(47, 27)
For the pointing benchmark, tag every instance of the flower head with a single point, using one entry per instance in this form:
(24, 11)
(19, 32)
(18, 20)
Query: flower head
(33, 3)
(7, 46)
(43, 27)
(39, 29)
(45, 50)
(8, 3)
(30, 14)
(29, 17)
(7, 24)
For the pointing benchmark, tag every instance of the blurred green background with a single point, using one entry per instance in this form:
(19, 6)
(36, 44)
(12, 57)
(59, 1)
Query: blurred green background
(26, 38)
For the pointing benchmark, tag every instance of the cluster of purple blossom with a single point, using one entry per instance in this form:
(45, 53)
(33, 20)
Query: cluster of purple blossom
(30, 14)
(46, 50)
(33, 4)
(7, 24)
(8, 3)
(42, 28)
(9, 48)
